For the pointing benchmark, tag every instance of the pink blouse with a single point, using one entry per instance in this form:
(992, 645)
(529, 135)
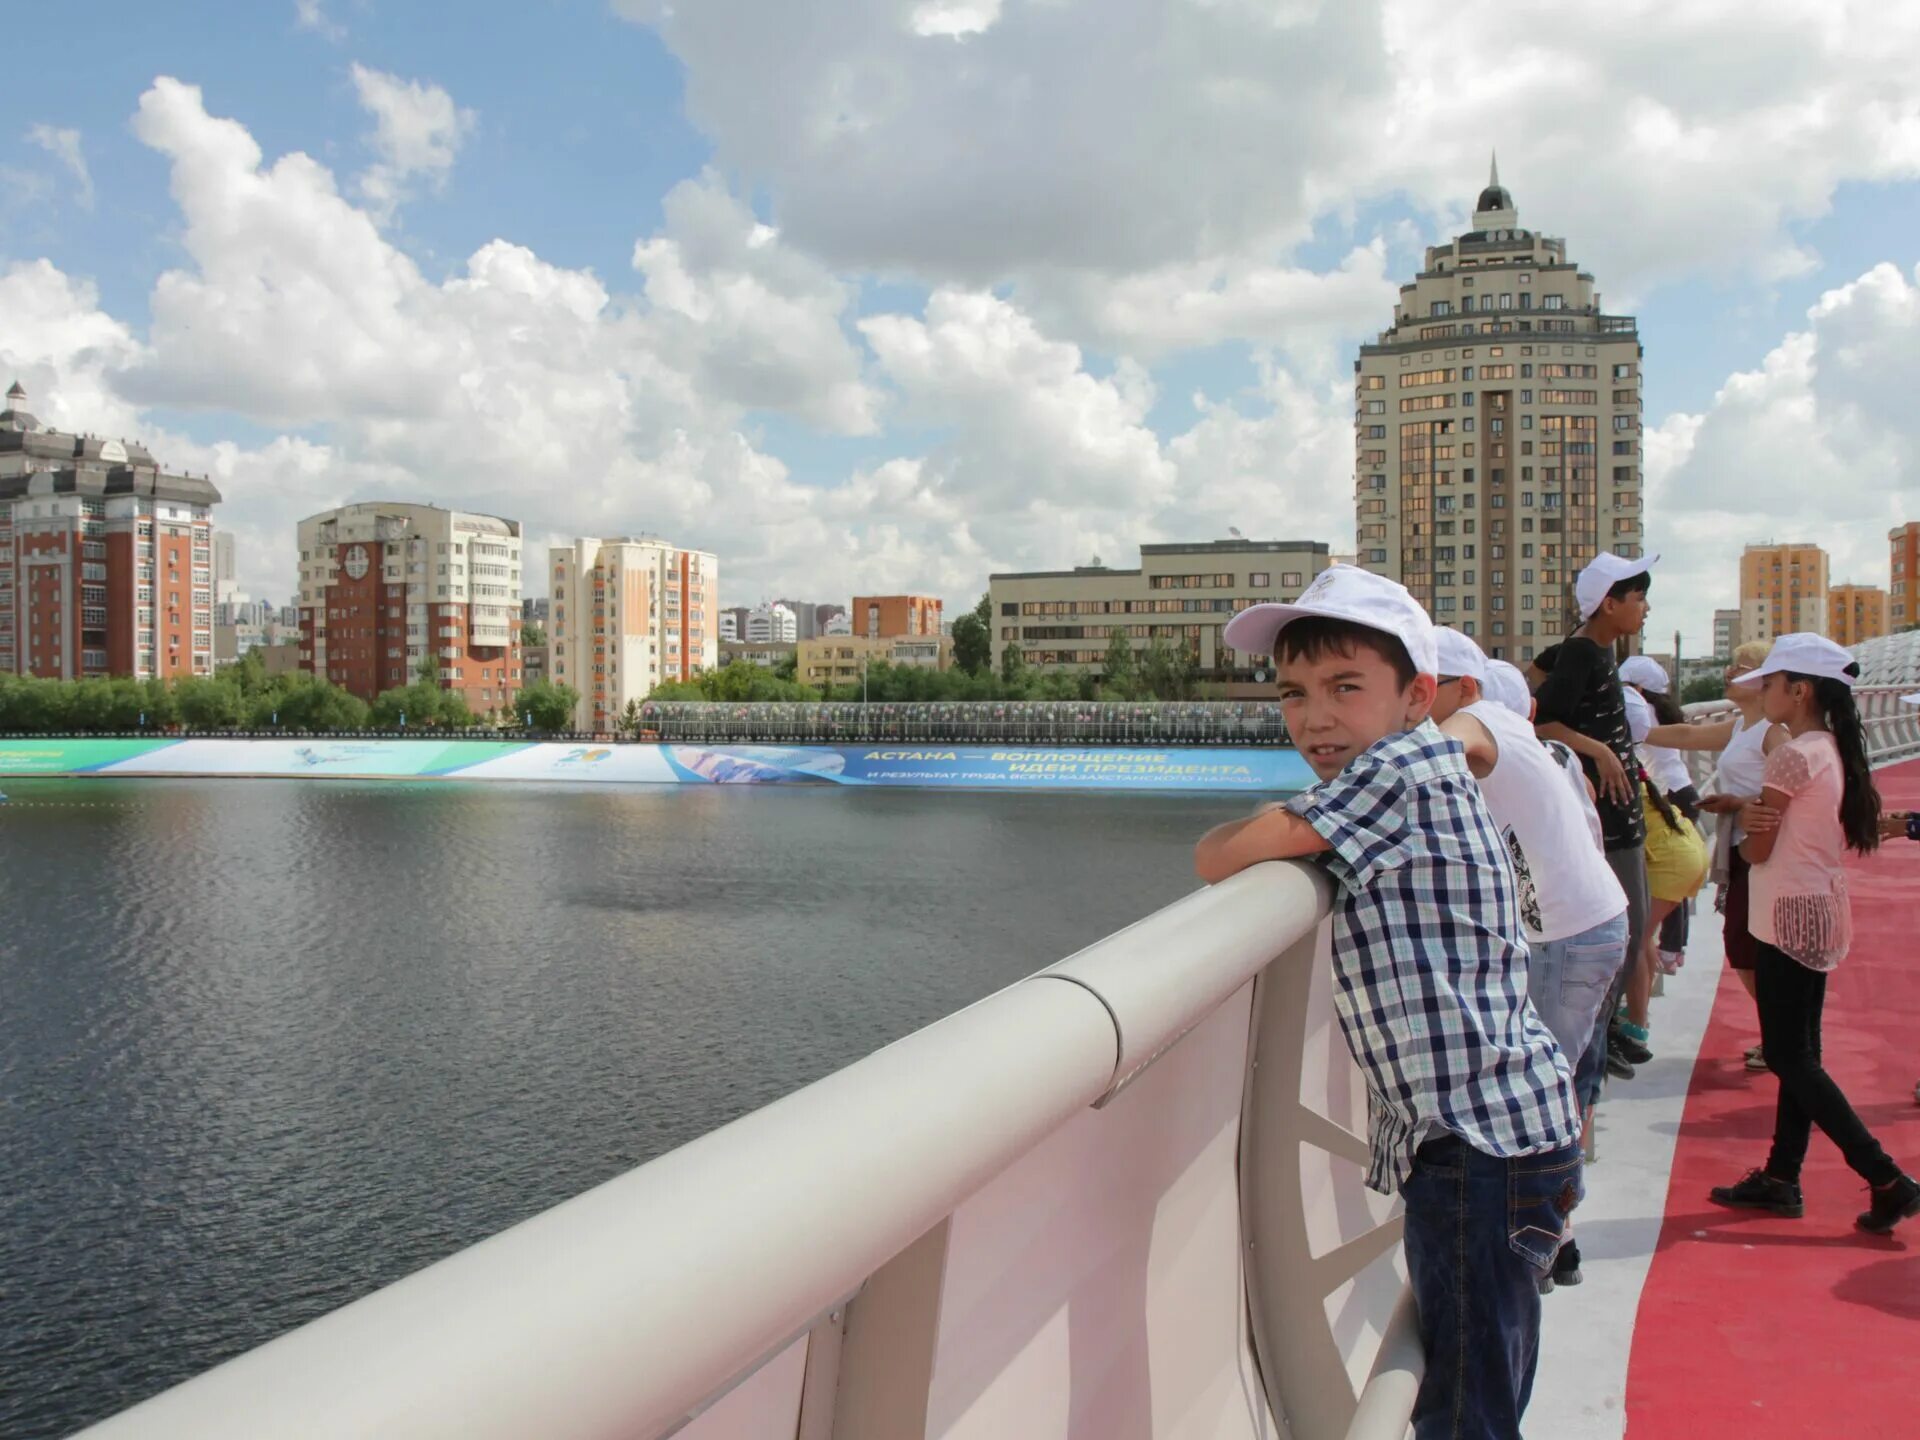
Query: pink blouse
(1798, 902)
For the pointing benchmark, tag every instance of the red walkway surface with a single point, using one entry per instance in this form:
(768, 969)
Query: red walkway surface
(1751, 1325)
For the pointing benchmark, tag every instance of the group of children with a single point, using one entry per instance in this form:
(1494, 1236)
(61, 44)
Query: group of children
(1503, 869)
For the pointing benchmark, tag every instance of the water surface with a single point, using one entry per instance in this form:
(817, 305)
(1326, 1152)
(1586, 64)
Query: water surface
(268, 1045)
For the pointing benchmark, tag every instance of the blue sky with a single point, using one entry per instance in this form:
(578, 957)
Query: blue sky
(581, 126)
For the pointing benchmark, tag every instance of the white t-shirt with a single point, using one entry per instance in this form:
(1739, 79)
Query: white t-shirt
(1531, 798)
(1742, 767)
(1577, 778)
(1666, 767)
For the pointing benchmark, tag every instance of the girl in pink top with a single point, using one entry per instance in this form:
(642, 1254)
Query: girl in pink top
(1817, 802)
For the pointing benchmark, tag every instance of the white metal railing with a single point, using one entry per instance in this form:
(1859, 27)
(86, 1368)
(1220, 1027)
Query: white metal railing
(1893, 729)
(1120, 1186)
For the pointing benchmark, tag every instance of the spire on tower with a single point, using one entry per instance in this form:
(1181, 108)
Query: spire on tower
(1493, 171)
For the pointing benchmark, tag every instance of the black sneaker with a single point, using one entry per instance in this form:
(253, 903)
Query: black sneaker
(1618, 1066)
(1761, 1191)
(1893, 1202)
(1630, 1049)
(1566, 1265)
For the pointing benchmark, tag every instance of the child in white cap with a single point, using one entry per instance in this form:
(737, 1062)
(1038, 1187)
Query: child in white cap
(1573, 908)
(1818, 802)
(1581, 704)
(1471, 1116)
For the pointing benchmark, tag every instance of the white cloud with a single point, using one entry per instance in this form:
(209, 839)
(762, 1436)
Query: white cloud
(1820, 444)
(1066, 147)
(64, 146)
(418, 131)
(312, 15)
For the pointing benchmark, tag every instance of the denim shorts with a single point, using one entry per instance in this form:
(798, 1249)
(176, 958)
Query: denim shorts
(1567, 981)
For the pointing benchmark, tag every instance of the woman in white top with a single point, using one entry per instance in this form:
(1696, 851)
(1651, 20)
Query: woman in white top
(1744, 742)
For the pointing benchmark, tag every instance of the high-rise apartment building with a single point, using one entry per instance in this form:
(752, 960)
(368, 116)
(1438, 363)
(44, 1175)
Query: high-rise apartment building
(1783, 588)
(1497, 434)
(1726, 633)
(627, 616)
(882, 617)
(385, 585)
(1903, 593)
(771, 625)
(1181, 594)
(1856, 613)
(106, 561)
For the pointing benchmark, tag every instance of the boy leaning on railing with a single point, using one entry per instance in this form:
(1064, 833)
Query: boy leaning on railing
(1471, 1109)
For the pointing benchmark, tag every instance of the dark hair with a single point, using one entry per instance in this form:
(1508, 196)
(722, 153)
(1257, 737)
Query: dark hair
(1859, 799)
(1660, 802)
(1641, 583)
(1665, 708)
(1313, 636)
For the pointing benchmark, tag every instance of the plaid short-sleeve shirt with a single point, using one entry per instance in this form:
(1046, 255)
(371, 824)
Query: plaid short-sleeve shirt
(1430, 969)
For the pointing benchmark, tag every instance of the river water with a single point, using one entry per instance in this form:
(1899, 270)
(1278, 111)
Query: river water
(266, 1045)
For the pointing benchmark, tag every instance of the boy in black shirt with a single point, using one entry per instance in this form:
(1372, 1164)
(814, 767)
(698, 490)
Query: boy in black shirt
(1580, 704)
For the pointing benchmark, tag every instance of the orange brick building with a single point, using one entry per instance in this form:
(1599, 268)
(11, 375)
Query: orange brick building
(884, 617)
(1783, 588)
(385, 585)
(106, 562)
(1856, 613)
(1903, 595)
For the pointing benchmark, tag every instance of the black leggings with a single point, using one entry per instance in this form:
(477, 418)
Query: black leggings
(1791, 998)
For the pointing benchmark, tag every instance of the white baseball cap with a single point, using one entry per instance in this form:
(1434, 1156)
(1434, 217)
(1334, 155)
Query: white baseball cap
(1646, 672)
(1505, 685)
(1458, 655)
(1341, 592)
(1603, 572)
(1804, 653)
(1913, 699)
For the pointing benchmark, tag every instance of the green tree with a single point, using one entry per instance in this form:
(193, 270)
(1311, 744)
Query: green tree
(1013, 666)
(1160, 670)
(209, 704)
(427, 668)
(550, 706)
(422, 704)
(1119, 677)
(973, 638)
(532, 635)
(630, 719)
(1706, 687)
(160, 704)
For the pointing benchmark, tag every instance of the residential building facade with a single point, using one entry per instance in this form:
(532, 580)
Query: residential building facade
(771, 625)
(881, 617)
(1182, 594)
(844, 659)
(106, 560)
(1726, 633)
(1783, 589)
(809, 617)
(1856, 613)
(387, 585)
(1497, 432)
(628, 615)
(1903, 563)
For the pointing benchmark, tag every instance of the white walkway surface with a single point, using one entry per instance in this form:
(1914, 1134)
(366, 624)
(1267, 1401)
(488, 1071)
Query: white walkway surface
(1587, 1332)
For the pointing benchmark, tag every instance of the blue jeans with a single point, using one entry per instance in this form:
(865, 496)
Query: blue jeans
(1567, 980)
(1481, 1234)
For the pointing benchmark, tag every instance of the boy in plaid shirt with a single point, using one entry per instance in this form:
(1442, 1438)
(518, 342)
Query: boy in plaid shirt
(1471, 1109)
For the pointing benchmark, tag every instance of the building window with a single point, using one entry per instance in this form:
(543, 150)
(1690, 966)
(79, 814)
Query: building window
(1260, 579)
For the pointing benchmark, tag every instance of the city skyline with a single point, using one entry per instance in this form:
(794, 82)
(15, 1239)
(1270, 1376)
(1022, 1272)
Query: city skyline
(1050, 336)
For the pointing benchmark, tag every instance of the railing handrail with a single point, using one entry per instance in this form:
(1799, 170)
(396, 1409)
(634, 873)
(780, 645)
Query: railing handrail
(631, 1307)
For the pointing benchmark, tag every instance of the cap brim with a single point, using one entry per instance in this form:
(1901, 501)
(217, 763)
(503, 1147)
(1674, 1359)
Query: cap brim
(1771, 667)
(1913, 699)
(1253, 630)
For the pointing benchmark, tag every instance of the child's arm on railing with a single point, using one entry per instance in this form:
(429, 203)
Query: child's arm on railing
(1271, 833)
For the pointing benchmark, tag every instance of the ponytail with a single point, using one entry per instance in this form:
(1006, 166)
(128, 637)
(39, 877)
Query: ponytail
(1859, 800)
(1661, 803)
(1665, 708)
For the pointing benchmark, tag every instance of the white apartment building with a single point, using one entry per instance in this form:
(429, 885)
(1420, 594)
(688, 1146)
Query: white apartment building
(772, 625)
(626, 616)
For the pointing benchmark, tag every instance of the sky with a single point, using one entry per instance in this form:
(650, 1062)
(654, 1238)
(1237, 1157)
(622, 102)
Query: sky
(884, 295)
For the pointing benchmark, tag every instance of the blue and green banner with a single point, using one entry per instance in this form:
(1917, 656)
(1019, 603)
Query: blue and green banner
(926, 766)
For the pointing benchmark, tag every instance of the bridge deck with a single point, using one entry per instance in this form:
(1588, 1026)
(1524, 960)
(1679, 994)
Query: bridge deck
(1698, 1322)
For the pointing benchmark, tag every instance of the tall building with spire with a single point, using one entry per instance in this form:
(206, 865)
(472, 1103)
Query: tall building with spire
(1497, 432)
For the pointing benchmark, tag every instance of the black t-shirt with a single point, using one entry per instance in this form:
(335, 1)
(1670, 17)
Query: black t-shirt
(1582, 692)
